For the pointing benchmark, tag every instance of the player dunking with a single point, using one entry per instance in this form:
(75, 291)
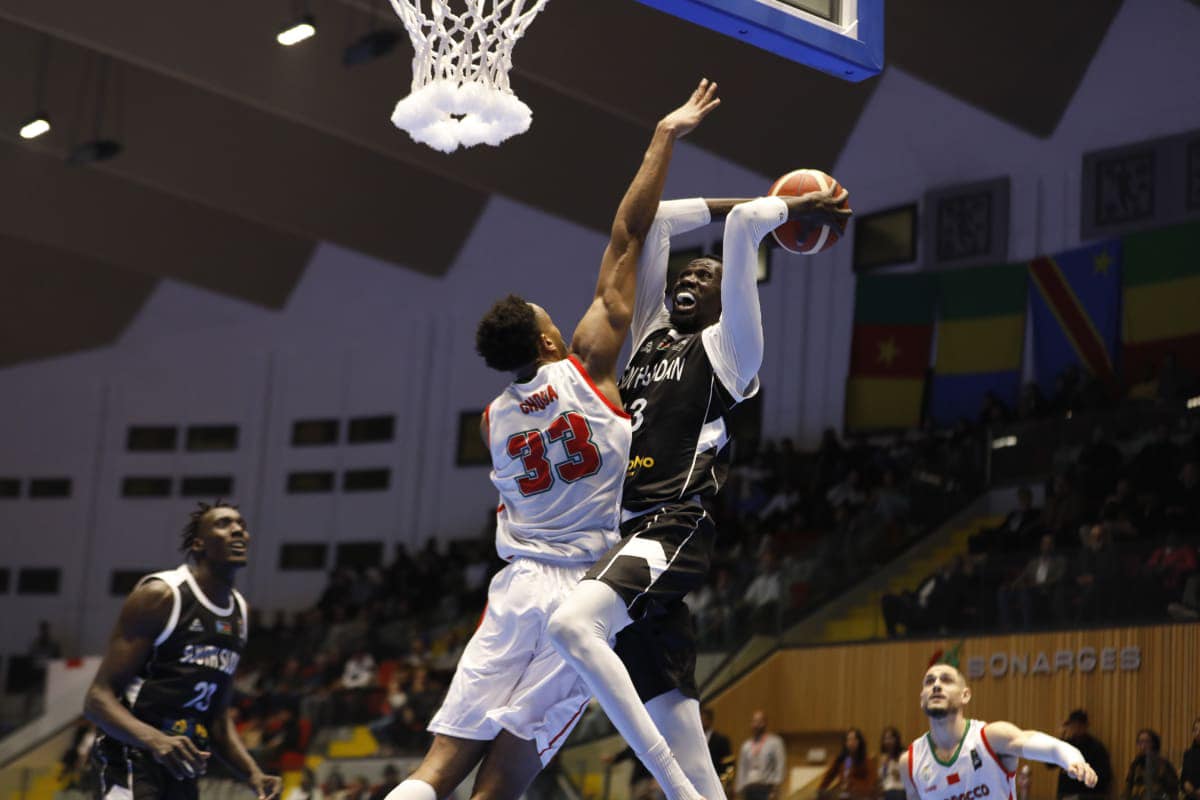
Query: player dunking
(690, 367)
(559, 442)
(161, 696)
(967, 758)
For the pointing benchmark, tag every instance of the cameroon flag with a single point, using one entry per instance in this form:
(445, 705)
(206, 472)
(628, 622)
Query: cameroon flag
(893, 328)
(980, 336)
(1162, 299)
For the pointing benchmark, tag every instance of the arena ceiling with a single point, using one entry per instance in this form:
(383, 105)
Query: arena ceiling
(240, 155)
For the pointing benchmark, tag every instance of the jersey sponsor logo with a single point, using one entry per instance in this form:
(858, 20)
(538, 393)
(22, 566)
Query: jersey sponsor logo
(539, 400)
(970, 794)
(639, 462)
(670, 369)
(196, 627)
(211, 656)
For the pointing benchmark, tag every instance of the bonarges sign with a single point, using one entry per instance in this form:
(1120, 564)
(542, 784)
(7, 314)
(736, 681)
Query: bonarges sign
(1001, 664)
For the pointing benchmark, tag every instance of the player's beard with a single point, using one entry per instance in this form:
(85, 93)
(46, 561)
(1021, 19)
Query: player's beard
(937, 713)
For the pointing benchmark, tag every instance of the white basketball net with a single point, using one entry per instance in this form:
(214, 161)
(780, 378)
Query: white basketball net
(462, 55)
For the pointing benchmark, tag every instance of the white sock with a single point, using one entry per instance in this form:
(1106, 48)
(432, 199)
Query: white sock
(412, 790)
(581, 630)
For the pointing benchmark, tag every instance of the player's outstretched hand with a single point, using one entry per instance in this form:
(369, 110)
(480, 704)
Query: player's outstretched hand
(1083, 772)
(179, 756)
(267, 787)
(821, 207)
(682, 120)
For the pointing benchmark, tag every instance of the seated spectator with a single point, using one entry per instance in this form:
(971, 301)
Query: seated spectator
(1183, 504)
(1157, 463)
(1189, 775)
(851, 774)
(1015, 533)
(1095, 576)
(1099, 465)
(1037, 591)
(891, 780)
(1151, 777)
(391, 777)
(307, 789)
(919, 610)
(848, 493)
(764, 596)
(1032, 403)
(1167, 568)
(1063, 511)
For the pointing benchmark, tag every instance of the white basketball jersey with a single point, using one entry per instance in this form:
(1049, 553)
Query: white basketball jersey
(559, 454)
(974, 771)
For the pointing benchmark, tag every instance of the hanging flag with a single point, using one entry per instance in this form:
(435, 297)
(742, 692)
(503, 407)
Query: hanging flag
(980, 336)
(1161, 299)
(1075, 300)
(893, 328)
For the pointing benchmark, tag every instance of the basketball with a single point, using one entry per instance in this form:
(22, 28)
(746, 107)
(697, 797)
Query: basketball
(798, 236)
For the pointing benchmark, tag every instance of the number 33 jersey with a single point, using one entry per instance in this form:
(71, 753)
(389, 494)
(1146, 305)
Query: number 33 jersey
(185, 684)
(559, 452)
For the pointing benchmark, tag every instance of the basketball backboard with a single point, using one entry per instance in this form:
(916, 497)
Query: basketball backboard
(841, 37)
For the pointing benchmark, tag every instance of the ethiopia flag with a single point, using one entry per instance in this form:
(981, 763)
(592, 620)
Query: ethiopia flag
(893, 328)
(1162, 299)
(1075, 300)
(980, 336)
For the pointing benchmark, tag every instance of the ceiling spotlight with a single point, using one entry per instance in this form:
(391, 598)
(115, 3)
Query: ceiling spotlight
(370, 46)
(35, 126)
(303, 28)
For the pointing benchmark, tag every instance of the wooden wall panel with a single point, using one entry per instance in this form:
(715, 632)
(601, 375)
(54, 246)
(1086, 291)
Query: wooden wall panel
(873, 685)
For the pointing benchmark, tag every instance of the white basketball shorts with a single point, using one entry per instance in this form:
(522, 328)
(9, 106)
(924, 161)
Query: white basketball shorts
(510, 677)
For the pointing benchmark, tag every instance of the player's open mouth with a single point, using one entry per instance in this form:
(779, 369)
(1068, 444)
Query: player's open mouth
(238, 548)
(685, 301)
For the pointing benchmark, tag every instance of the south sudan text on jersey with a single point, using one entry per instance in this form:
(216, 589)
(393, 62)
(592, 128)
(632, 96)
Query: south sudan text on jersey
(207, 655)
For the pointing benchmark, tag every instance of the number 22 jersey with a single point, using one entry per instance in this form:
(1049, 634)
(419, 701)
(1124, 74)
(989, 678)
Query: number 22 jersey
(559, 452)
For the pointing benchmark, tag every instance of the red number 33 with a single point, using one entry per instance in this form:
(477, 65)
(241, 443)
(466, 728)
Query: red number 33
(583, 458)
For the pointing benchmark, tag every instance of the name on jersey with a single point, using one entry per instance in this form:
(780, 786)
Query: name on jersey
(666, 370)
(211, 656)
(970, 794)
(539, 400)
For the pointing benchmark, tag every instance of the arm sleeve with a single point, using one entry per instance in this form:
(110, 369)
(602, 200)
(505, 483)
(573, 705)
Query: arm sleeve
(1044, 747)
(673, 217)
(735, 343)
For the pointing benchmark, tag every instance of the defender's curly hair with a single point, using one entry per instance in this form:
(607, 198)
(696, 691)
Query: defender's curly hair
(507, 336)
(191, 531)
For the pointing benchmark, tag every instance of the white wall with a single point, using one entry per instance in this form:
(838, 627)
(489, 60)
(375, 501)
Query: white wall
(362, 337)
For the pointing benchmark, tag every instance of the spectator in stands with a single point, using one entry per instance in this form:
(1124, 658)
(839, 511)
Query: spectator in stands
(1100, 465)
(1063, 510)
(1188, 607)
(994, 411)
(1015, 533)
(919, 610)
(1189, 775)
(763, 600)
(391, 777)
(1037, 591)
(891, 781)
(1031, 404)
(1075, 732)
(851, 774)
(848, 493)
(1166, 570)
(1183, 504)
(642, 785)
(719, 748)
(829, 459)
(307, 789)
(1151, 777)
(1095, 575)
(761, 762)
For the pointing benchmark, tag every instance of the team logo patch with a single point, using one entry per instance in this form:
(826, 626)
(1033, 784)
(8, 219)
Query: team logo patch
(976, 761)
(196, 627)
(225, 627)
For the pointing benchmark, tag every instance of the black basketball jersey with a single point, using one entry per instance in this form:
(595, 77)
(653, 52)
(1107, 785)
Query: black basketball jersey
(680, 421)
(186, 682)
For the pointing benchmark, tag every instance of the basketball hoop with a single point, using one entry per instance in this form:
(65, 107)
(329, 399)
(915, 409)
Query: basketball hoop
(460, 93)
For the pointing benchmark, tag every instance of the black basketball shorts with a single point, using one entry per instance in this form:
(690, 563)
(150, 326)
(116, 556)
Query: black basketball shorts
(661, 557)
(128, 773)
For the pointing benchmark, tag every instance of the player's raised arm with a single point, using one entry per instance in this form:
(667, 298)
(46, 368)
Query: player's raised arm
(601, 332)
(1007, 740)
(143, 618)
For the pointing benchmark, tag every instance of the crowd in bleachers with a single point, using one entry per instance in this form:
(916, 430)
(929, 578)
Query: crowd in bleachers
(1116, 514)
